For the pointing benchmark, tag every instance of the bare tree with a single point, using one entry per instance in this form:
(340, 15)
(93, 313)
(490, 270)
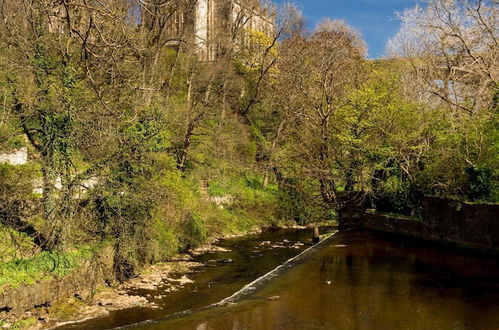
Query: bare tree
(315, 76)
(452, 46)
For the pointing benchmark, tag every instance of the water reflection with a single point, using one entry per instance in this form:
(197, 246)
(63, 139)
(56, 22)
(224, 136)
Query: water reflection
(371, 283)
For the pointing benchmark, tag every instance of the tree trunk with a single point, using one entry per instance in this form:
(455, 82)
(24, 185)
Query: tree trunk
(266, 177)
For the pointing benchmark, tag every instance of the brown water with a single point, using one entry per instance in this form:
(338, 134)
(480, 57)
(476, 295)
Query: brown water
(364, 280)
(250, 260)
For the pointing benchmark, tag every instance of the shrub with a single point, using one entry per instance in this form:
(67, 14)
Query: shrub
(25, 271)
(481, 184)
(193, 231)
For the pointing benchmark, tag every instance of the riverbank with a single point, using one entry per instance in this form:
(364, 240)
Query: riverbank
(171, 276)
(171, 279)
(102, 299)
(174, 275)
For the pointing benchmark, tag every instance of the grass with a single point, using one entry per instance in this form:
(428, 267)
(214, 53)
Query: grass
(19, 272)
(25, 324)
(398, 216)
(8, 251)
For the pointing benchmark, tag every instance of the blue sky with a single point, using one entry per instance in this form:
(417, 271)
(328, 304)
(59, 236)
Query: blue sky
(374, 18)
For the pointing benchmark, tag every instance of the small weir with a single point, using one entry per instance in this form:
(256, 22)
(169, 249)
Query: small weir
(351, 280)
(224, 273)
(364, 280)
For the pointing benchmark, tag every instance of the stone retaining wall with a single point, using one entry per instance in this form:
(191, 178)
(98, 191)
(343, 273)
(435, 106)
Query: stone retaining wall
(81, 283)
(465, 224)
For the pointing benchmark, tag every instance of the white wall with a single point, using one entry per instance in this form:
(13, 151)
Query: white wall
(19, 157)
(201, 28)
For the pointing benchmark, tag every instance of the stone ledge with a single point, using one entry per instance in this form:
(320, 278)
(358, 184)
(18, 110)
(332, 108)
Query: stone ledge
(469, 225)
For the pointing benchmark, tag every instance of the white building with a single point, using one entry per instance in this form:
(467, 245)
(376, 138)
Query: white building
(18, 157)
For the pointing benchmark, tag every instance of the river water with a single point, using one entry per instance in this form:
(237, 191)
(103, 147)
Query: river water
(364, 280)
(251, 257)
(358, 280)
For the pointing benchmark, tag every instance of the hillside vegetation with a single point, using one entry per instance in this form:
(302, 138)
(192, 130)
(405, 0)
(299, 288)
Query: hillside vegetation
(130, 139)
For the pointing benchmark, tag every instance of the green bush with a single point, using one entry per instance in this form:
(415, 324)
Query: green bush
(193, 231)
(26, 271)
(16, 182)
(482, 184)
(397, 195)
(14, 245)
(216, 188)
(160, 242)
(296, 203)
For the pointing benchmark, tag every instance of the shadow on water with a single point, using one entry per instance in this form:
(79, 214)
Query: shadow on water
(366, 280)
(217, 280)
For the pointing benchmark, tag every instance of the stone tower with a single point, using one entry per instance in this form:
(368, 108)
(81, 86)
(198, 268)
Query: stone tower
(225, 21)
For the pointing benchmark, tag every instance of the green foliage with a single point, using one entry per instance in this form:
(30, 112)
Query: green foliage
(258, 206)
(16, 181)
(395, 194)
(16, 202)
(217, 188)
(19, 272)
(14, 245)
(482, 184)
(25, 323)
(193, 231)
(164, 243)
(463, 158)
(297, 202)
(250, 204)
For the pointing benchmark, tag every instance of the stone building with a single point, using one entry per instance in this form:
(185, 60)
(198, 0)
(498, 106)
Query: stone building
(214, 26)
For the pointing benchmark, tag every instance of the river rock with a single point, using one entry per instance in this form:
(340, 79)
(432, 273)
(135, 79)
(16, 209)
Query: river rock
(182, 257)
(208, 248)
(299, 227)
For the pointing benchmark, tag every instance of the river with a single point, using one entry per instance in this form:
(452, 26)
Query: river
(250, 257)
(358, 280)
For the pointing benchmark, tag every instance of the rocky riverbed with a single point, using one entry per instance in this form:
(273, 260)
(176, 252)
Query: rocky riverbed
(202, 277)
(192, 280)
(172, 276)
